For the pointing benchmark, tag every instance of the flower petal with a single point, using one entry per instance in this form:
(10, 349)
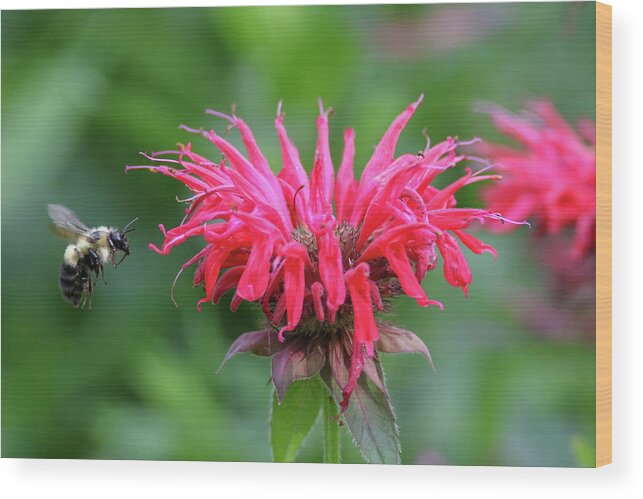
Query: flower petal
(211, 268)
(345, 185)
(295, 256)
(399, 260)
(365, 330)
(456, 268)
(317, 290)
(475, 244)
(323, 174)
(293, 172)
(331, 271)
(385, 150)
(228, 281)
(254, 281)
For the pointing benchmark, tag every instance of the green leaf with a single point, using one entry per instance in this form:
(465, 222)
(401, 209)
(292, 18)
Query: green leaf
(369, 418)
(294, 417)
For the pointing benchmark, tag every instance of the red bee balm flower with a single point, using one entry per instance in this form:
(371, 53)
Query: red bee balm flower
(551, 177)
(321, 273)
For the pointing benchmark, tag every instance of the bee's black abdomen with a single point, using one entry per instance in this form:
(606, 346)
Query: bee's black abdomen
(72, 283)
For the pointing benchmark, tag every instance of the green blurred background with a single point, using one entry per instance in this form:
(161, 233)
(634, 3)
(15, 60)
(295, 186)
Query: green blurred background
(84, 91)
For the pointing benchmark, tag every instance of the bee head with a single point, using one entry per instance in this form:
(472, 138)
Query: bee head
(119, 242)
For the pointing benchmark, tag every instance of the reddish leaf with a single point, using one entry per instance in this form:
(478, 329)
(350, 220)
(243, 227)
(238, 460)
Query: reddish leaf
(396, 340)
(373, 369)
(262, 343)
(294, 362)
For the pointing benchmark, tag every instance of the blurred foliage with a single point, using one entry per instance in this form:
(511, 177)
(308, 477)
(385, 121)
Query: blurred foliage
(83, 91)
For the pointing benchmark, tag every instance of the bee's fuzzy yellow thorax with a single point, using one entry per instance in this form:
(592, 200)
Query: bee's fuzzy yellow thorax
(83, 245)
(101, 246)
(104, 253)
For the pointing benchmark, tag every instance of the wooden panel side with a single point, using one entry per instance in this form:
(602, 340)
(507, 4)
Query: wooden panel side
(603, 234)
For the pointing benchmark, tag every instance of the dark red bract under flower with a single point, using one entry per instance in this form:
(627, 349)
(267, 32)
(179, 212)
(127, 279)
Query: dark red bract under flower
(551, 177)
(317, 252)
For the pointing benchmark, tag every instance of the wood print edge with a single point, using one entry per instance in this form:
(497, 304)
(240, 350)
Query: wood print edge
(603, 234)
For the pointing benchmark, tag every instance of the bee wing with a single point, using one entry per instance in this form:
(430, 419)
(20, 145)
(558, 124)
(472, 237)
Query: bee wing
(65, 223)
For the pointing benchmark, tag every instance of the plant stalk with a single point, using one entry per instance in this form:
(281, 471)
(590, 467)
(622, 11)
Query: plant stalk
(330, 415)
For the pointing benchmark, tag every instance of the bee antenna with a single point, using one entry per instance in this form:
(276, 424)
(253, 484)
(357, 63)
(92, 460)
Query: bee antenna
(127, 226)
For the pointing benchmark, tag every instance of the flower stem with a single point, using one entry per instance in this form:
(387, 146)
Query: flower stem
(330, 413)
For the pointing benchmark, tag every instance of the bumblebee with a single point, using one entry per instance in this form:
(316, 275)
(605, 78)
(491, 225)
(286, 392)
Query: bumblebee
(85, 258)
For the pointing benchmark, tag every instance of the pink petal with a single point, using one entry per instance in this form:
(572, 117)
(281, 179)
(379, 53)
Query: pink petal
(456, 268)
(385, 150)
(211, 268)
(346, 186)
(293, 172)
(331, 271)
(228, 281)
(456, 218)
(317, 290)
(357, 365)
(475, 244)
(295, 256)
(399, 261)
(440, 200)
(254, 280)
(365, 329)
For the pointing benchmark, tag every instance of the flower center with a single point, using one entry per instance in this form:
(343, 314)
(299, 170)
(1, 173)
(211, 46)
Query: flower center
(382, 277)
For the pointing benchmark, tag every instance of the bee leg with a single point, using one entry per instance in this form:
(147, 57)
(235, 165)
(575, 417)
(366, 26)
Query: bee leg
(102, 271)
(95, 265)
(94, 256)
(112, 251)
(89, 292)
(84, 298)
(121, 260)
